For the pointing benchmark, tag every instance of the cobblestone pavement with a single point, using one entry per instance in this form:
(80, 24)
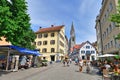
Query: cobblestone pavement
(55, 71)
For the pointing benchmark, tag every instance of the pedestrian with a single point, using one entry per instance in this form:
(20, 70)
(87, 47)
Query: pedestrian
(63, 62)
(88, 66)
(67, 61)
(80, 65)
(76, 61)
(70, 60)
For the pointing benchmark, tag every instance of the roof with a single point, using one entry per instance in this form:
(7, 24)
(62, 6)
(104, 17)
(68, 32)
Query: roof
(79, 46)
(50, 29)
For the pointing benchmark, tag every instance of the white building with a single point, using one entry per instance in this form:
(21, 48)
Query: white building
(87, 51)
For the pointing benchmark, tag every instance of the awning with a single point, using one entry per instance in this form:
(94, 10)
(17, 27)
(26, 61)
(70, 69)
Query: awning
(23, 50)
(107, 55)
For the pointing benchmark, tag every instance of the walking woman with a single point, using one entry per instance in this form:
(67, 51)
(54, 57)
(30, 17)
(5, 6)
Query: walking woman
(80, 65)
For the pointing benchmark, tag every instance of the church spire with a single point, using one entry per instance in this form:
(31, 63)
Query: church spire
(72, 29)
(72, 40)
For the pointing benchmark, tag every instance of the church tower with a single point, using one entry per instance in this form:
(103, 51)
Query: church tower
(72, 40)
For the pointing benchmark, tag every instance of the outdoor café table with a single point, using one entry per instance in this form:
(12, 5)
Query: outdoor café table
(111, 75)
(115, 77)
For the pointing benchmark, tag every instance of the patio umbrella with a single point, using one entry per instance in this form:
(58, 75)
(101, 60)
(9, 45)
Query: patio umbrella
(117, 57)
(107, 55)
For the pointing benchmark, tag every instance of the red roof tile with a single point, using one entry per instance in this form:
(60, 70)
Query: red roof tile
(54, 28)
(76, 47)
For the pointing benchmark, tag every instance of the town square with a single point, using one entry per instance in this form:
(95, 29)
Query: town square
(60, 40)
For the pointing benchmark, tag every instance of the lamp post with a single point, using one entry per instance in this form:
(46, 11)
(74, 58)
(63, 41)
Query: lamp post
(101, 39)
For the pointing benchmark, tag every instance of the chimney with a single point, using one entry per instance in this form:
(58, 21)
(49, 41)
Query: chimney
(40, 27)
(52, 25)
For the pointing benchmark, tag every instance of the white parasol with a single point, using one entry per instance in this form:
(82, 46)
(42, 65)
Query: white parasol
(107, 55)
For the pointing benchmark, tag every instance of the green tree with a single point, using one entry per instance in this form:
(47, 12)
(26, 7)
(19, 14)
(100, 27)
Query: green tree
(116, 18)
(15, 23)
(7, 25)
(24, 35)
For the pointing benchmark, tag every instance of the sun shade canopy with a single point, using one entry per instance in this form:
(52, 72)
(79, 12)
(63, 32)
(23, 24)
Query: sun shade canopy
(23, 50)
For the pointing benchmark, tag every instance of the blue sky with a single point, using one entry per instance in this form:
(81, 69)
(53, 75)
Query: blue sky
(82, 13)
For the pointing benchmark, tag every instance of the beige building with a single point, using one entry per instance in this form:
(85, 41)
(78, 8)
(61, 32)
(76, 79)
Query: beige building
(51, 42)
(66, 45)
(106, 30)
(4, 42)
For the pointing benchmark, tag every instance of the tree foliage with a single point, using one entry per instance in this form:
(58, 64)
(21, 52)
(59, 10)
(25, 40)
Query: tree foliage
(7, 24)
(116, 18)
(15, 23)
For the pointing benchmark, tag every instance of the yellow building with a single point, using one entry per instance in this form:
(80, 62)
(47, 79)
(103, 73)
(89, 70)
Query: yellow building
(51, 42)
(4, 42)
(106, 30)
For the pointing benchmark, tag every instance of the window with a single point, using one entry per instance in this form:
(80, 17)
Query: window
(44, 42)
(110, 6)
(39, 35)
(105, 47)
(82, 51)
(45, 35)
(52, 42)
(52, 34)
(110, 27)
(61, 51)
(92, 51)
(44, 50)
(52, 50)
(107, 31)
(87, 52)
(113, 25)
(105, 34)
(108, 45)
(93, 58)
(39, 43)
(61, 36)
(83, 57)
(111, 42)
(62, 44)
(87, 47)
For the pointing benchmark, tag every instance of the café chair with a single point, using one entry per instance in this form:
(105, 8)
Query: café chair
(106, 75)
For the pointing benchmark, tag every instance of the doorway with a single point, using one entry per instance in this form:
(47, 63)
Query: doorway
(52, 57)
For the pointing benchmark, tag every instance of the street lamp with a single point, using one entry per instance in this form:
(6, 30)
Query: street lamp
(101, 39)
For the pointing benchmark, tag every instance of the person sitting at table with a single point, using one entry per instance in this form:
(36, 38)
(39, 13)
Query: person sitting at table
(107, 66)
(116, 69)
